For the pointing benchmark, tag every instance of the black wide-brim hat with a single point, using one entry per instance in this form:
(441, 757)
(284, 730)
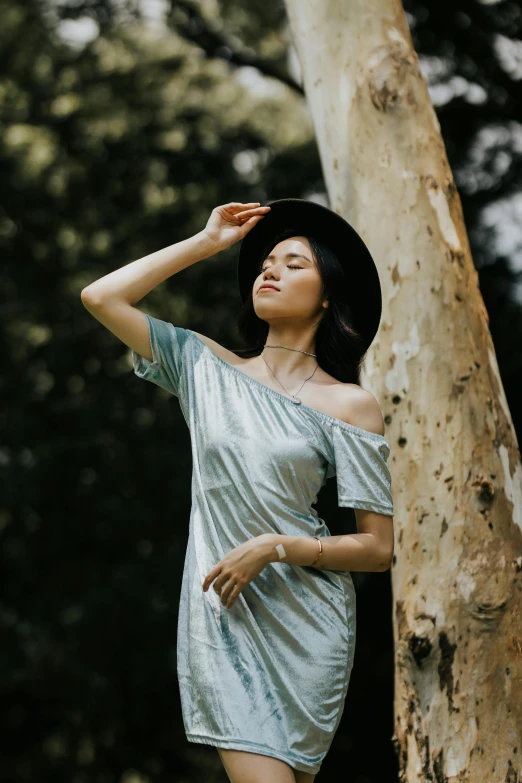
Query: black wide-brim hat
(363, 288)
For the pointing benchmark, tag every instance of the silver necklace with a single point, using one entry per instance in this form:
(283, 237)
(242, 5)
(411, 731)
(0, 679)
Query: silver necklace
(293, 397)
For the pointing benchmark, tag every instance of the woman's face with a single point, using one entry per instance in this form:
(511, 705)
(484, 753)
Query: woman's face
(290, 266)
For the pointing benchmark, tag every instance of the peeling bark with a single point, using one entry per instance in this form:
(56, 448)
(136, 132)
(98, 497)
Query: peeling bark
(456, 469)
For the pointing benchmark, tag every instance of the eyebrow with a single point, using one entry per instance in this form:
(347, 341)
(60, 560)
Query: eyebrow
(291, 255)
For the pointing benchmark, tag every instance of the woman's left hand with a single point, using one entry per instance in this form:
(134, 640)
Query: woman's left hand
(239, 567)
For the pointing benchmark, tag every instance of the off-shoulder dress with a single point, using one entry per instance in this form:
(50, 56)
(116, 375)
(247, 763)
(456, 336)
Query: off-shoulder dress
(270, 674)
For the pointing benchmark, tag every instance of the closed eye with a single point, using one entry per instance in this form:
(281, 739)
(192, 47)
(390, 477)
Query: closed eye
(290, 266)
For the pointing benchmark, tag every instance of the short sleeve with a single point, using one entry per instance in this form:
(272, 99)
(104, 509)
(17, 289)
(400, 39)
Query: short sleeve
(167, 346)
(360, 463)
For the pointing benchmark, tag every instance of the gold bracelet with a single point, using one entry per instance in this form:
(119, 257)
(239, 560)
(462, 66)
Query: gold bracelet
(320, 551)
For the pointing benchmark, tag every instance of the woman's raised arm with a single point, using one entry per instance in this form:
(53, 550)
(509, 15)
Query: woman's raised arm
(111, 299)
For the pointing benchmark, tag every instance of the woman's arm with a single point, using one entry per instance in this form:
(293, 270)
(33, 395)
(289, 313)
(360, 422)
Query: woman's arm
(227, 225)
(111, 299)
(357, 552)
(132, 282)
(369, 551)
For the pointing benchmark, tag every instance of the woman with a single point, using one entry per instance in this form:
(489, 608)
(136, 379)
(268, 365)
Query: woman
(265, 656)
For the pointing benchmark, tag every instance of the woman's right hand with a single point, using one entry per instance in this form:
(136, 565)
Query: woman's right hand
(231, 222)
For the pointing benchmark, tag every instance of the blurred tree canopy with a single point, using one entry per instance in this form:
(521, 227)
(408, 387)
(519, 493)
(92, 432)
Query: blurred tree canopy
(119, 136)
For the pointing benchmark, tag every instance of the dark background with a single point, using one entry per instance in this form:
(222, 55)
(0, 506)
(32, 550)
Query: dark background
(119, 137)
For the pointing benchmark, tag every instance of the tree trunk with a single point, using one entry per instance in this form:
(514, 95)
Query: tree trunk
(455, 462)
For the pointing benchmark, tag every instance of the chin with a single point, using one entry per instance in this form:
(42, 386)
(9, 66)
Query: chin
(265, 311)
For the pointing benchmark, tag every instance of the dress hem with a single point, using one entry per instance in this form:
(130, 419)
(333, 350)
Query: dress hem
(239, 744)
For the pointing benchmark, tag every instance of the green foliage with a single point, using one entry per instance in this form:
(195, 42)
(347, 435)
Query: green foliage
(108, 153)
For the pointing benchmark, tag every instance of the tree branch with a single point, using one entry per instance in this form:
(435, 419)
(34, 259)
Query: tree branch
(193, 26)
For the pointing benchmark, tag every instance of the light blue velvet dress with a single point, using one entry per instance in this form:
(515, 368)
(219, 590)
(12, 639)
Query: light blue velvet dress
(269, 675)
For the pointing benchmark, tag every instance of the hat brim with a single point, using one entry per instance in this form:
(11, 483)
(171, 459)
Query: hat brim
(308, 217)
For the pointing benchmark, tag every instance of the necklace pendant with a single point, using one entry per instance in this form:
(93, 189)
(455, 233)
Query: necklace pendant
(296, 400)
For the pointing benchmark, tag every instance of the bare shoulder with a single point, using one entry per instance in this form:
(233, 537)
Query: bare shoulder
(218, 349)
(358, 407)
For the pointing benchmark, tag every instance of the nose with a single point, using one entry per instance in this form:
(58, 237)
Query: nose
(268, 279)
(268, 274)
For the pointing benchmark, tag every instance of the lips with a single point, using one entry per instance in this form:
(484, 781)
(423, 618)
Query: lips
(265, 287)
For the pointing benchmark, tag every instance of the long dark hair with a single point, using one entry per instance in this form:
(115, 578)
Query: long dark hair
(339, 347)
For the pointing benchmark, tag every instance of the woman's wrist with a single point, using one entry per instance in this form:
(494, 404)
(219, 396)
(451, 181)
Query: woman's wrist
(209, 246)
(295, 550)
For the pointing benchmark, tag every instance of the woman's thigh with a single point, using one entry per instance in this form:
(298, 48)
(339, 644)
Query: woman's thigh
(303, 777)
(242, 766)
